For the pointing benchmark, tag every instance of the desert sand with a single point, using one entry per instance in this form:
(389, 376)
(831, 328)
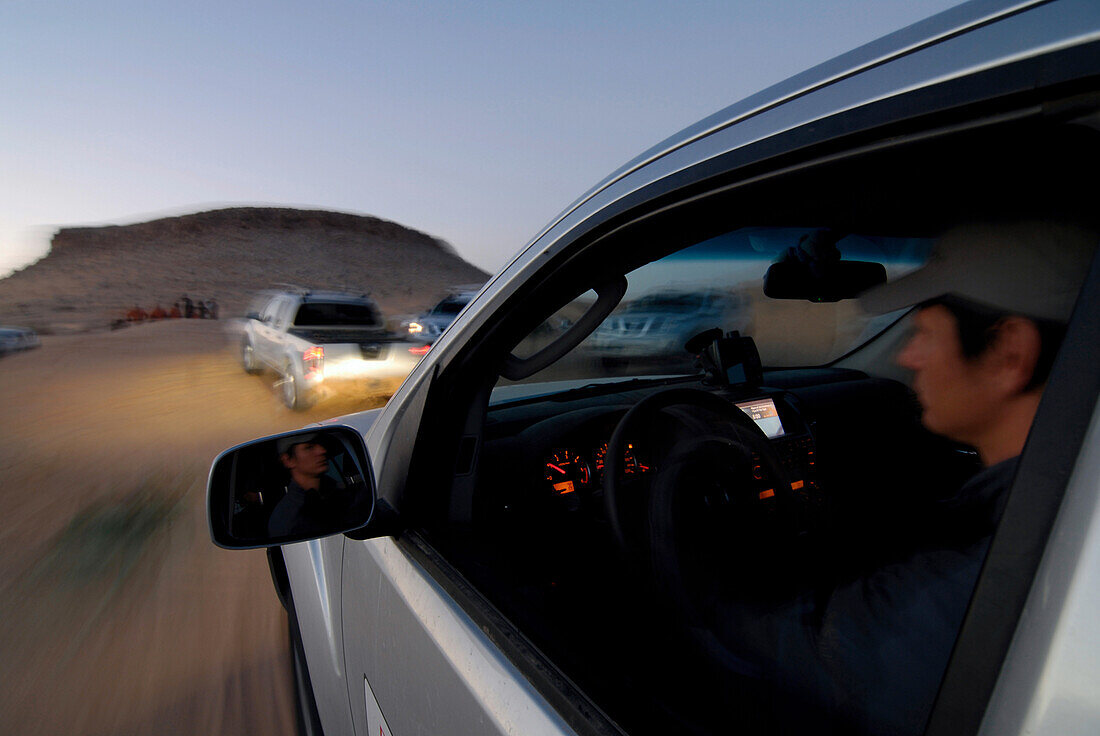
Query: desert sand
(117, 614)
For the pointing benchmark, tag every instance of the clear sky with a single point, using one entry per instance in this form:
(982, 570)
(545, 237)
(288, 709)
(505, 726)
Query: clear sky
(476, 122)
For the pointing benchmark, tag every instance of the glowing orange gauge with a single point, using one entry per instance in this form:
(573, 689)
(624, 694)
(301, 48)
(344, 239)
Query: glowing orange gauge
(630, 460)
(567, 472)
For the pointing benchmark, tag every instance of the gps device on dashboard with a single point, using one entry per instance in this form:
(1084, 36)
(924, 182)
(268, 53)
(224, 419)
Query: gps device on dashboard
(732, 360)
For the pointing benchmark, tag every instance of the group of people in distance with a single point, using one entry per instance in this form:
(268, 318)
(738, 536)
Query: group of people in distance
(184, 308)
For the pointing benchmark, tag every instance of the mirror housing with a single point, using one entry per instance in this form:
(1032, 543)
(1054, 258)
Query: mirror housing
(841, 280)
(290, 487)
(814, 271)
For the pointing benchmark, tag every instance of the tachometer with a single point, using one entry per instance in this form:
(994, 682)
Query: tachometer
(567, 472)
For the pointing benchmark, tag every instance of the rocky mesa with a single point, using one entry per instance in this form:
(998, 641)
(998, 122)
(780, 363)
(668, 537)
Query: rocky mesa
(93, 275)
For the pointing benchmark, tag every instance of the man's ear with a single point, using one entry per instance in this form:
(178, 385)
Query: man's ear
(1014, 353)
(286, 460)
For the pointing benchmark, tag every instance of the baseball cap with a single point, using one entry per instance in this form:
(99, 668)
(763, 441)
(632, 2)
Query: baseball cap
(283, 444)
(1033, 268)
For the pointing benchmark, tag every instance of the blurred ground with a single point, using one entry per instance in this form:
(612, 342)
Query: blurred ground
(117, 614)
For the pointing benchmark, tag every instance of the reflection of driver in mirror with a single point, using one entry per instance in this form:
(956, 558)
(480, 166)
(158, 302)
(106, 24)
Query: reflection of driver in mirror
(314, 502)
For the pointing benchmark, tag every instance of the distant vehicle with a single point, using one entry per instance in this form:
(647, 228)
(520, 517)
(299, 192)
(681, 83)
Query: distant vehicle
(428, 326)
(660, 323)
(14, 339)
(323, 342)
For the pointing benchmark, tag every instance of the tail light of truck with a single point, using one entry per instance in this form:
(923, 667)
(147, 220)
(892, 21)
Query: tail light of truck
(313, 361)
(420, 349)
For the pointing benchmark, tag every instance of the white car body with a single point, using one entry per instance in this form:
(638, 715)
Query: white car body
(312, 360)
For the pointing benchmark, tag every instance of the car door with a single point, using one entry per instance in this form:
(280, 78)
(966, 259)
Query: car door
(262, 330)
(269, 331)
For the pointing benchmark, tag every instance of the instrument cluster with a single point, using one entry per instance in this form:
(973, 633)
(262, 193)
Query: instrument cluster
(568, 472)
(572, 468)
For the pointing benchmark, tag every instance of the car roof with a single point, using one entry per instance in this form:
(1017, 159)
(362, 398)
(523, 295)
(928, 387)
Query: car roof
(317, 295)
(335, 296)
(912, 38)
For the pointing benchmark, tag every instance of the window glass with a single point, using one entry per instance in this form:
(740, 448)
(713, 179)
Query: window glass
(335, 314)
(452, 305)
(719, 283)
(272, 310)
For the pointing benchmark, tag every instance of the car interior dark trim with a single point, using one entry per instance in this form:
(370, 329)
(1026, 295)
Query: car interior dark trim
(1017, 548)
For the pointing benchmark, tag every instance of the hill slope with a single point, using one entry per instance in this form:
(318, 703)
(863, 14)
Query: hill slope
(93, 275)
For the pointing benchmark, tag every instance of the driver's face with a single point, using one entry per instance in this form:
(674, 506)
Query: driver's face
(954, 392)
(308, 458)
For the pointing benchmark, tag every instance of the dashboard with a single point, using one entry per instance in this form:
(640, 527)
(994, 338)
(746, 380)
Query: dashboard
(851, 447)
(540, 539)
(550, 456)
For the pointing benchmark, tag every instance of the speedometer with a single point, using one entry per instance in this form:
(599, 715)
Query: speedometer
(567, 472)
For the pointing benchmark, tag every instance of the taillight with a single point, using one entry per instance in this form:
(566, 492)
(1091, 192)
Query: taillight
(313, 361)
(420, 349)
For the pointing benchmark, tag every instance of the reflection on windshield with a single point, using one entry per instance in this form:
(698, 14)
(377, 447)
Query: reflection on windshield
(719, 283)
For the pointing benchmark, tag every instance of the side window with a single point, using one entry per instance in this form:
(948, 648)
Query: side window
(284, 312)
(271, 310)
(718, 284)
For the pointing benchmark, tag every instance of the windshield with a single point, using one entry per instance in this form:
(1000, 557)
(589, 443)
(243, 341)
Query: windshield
(452, 305)
(336, 314)
(719, 283)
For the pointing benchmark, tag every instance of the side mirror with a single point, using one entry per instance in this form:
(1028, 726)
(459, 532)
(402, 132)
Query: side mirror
(290, 487)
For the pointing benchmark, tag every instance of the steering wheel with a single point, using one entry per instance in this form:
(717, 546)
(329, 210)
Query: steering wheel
(704, 505)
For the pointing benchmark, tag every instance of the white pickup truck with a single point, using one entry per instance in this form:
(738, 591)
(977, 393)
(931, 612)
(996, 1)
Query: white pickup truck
(320, 342)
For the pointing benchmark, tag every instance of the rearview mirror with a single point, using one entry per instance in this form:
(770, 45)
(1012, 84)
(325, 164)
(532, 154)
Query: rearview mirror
(814, 271)
(289, 488)
(840, 280)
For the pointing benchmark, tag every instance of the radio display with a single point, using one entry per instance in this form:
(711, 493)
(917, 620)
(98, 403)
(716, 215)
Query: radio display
(764, 413)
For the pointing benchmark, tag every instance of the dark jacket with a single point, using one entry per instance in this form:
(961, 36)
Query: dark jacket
(310, 513)
(868, 656)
